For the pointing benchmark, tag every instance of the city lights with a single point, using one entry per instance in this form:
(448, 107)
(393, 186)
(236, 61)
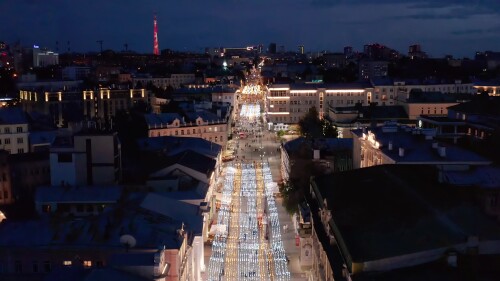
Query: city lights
(248, 243)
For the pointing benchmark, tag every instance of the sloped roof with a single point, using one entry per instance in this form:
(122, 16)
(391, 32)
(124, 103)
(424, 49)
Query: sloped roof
(171, 208)
(161, 119)
(12, 115)
(84, 194)
(174, 145)
(195, 161)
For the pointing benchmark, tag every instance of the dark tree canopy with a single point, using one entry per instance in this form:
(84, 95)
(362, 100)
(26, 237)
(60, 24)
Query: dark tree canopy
(311, 126)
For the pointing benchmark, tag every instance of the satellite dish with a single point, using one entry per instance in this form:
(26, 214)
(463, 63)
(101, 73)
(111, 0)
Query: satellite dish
(128, 240)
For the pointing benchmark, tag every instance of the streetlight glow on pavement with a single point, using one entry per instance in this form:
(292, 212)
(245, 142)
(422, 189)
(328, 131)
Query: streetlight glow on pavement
(248, 243)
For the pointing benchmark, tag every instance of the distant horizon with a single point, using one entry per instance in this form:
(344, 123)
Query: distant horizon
(448, 27)
(202, 49)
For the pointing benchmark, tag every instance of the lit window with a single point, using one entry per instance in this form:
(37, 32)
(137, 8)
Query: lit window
(67, 263)
(87, 263)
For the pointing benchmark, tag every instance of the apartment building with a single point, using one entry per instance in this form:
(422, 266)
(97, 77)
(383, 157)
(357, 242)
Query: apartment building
(386, 91)
(87, 158)
(75, 104)
(14, 130)
(175, 80)
(287, 103)
(202, 124)
(392, 144)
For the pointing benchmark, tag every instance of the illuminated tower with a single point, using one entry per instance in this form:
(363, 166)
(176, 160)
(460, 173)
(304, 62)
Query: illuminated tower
(156, 48)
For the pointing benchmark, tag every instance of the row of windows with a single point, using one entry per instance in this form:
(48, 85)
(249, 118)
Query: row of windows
(18, 130)
(7, 140)
(46, 266)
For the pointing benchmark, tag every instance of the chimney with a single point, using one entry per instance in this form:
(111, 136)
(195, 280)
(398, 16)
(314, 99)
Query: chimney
(390, 145)
(401, 152)
(442, 151)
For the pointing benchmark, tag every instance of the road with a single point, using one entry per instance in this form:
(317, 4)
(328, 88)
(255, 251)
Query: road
(248, 243)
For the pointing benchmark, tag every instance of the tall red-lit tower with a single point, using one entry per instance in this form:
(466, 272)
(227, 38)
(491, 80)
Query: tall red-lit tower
(156, 48)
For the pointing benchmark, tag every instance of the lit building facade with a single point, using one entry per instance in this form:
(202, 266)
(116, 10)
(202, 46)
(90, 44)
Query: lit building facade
(13, 131)
(76, 104)
(175, 80)
(167, 124)
(288, 103)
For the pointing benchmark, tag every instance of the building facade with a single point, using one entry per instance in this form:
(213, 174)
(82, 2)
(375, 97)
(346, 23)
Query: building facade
(63, 106)
(14, 131)
(288, 103)
(175, 80)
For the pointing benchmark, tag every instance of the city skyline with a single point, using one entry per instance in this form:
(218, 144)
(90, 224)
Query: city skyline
(464, 26)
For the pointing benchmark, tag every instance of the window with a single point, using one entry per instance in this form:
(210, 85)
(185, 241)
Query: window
(20, 140)
(35, 267)
(64, 157)
(20, 150)
(7, 130)
(87, 263)
(19, 129)
(7, 141)
(18, 267)
(67, 263)
(46, 266)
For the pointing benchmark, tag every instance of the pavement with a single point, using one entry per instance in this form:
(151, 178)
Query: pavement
(267, 147)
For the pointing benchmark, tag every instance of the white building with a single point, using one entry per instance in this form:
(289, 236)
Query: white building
(175, 80)
(288, 103)
(13, 131)
(88, 158)
(205, 126)
(42, 58)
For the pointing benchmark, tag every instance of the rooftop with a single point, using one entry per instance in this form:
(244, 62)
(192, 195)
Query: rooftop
(12, 116)
(485, 106)
(154, 119)
(175, 145)
(150, 230)
(72, 194)
(392, 210)
(417, 149)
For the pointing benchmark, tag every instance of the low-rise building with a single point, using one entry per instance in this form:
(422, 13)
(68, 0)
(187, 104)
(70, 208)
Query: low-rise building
(87, 158)
(14, 130)
(175, 80)
(201, 124)
(287, 103)
(373, 221)
(73, 104)
(393, 144)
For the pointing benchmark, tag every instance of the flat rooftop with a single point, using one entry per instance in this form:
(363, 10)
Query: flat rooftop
(392, 210)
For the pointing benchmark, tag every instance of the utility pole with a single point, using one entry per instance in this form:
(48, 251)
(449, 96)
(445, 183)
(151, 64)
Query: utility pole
(100, 43)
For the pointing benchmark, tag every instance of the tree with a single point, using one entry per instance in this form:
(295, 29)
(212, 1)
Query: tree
(312, 127)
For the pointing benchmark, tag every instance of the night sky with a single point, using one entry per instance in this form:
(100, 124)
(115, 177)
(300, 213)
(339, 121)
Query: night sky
(457, 27)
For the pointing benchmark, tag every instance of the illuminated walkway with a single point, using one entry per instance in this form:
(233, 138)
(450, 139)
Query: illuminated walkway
(247, 243)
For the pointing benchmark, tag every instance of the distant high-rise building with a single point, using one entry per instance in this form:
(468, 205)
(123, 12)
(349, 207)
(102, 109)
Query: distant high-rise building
(272, 48)
(282, 49)
(379, 52)
(347, 51)
(260, 48)
(415, 51)
(301, 49)
(156, 47)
